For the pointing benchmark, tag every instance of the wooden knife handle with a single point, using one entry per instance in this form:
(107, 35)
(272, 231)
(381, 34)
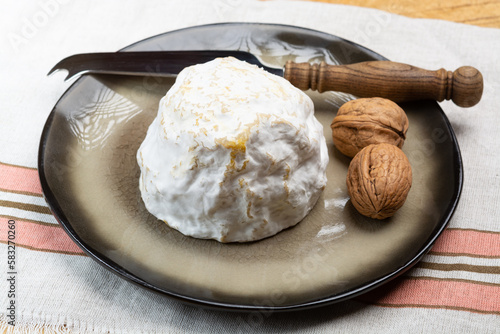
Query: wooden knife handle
(394, 81)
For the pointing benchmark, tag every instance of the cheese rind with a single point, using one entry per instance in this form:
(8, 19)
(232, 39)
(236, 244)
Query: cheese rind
(235, 154)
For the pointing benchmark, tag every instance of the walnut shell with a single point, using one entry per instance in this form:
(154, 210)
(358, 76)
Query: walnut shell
(367, 121)
(378, 180)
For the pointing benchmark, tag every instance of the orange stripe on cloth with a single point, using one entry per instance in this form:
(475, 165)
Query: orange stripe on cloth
(467, 242)
(19, 179)
(43, 237)
(436, 293)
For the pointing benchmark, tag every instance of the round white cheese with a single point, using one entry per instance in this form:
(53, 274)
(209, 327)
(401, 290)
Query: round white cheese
(235, 154)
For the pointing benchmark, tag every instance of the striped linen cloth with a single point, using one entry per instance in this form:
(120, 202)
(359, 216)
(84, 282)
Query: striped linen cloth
(454, 289)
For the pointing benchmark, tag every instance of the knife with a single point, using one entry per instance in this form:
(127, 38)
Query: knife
(395, 81)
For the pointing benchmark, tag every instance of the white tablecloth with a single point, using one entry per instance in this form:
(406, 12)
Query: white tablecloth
(58, 288)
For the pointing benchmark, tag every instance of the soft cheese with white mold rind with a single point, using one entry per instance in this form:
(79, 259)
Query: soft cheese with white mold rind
(235, 154)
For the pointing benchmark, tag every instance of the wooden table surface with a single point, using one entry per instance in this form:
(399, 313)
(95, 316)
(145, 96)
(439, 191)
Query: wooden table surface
(484, 13)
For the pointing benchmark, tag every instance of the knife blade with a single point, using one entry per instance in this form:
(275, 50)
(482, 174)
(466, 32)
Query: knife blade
(396, 81)
(149, 63)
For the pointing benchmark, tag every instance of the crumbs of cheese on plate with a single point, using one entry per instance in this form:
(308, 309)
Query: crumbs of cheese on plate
(235, 154)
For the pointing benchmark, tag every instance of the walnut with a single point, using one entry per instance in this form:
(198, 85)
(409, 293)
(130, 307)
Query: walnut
(378, 180)
(366, 121)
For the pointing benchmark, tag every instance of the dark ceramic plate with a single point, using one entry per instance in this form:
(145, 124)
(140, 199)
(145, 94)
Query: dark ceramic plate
(90, 176)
